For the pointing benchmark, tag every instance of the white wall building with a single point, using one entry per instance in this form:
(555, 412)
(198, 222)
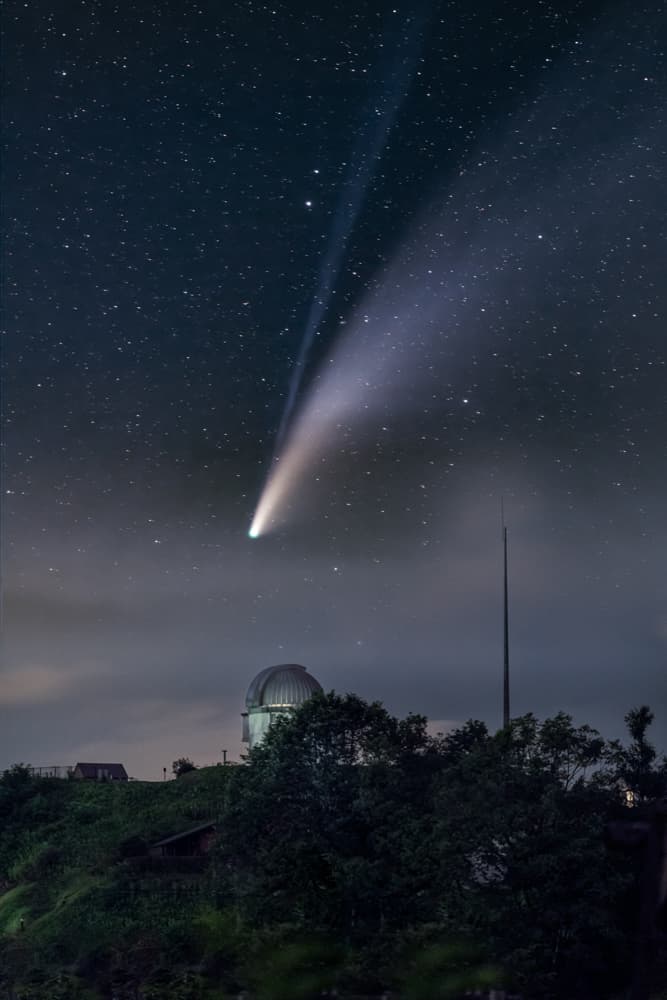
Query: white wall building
(274, 692)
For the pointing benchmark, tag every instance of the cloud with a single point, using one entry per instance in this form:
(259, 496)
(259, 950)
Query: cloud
(31, 685)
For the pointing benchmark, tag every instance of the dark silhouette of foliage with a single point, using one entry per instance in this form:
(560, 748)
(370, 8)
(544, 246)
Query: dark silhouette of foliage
(354, 851)
(182, 766)
(638, 766)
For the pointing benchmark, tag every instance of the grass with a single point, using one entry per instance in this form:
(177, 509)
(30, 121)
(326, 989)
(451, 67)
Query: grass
(16, 904)
(61, 848)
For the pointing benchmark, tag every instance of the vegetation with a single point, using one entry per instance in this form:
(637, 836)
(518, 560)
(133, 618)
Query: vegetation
(354, 852)
(182, 766)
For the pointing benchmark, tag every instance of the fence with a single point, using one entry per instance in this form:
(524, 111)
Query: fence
(52, 771)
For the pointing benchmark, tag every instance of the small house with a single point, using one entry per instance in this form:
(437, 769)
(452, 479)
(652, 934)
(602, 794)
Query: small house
(192, 843)
(100, 772)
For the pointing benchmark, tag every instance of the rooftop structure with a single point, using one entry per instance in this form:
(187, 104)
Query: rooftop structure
(275, 691)
(194, 842)
(100, 772)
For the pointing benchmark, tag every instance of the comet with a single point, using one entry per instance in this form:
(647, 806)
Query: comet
(374, 369)
(296, 445)
(464, 272)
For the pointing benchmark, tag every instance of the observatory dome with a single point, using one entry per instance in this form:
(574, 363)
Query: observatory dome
(286, 686)
(274, 692)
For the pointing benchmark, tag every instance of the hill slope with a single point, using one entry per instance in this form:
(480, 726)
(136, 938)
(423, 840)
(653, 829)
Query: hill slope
(77, 895)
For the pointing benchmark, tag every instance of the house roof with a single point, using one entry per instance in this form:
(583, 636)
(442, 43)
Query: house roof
(116, 771)
(210, 825)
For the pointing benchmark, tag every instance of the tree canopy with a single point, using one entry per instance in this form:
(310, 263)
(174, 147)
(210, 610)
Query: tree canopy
(355, 823)
(182, 766)
(354, 850)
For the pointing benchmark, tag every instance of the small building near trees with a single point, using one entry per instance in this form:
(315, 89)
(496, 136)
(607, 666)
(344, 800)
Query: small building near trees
(194, 842)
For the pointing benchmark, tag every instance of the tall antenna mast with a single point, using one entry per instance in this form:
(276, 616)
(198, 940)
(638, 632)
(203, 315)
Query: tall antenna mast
(506, 631)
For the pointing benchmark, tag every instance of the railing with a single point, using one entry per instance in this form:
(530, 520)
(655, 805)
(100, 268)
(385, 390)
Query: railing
(52, 771)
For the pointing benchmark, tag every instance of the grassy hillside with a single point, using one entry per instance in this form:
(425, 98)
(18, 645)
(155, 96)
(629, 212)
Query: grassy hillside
(72, 900)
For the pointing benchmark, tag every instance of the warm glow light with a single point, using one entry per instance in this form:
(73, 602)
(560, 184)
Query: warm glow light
(303, 443)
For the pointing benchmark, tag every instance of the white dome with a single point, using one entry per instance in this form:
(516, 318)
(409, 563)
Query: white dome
(283, 686)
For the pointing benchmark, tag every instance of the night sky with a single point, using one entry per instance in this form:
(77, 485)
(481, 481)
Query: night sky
(448, 217)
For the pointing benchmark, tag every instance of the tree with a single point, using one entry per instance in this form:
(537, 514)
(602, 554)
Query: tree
(182, 766)
(353, 823)
(521, 819)
(323, 829)
(639, 770)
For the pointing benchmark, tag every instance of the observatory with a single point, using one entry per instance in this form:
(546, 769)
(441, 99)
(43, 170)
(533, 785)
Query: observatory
(274, 692)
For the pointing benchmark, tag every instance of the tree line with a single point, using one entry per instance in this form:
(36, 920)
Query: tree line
(355, 852)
